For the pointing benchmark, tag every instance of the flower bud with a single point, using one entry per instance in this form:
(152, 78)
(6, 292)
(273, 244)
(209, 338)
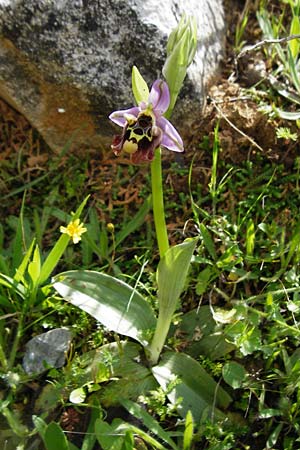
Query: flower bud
(181, 49)
(110, 227)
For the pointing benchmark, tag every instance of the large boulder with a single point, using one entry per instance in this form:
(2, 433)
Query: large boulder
(66, 64)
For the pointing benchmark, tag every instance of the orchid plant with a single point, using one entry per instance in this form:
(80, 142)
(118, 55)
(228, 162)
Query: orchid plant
(119, 307)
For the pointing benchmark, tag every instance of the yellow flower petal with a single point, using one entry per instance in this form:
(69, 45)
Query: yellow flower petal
(74, 229)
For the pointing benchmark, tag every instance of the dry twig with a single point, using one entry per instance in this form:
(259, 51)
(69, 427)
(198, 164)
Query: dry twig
(251, 48)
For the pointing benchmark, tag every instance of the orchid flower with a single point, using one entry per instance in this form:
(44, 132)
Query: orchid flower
(145, 128)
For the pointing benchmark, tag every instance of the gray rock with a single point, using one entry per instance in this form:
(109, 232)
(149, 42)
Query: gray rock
(49, 348)
(66, 64)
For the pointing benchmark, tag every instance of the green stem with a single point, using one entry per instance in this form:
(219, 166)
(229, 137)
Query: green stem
(158, 204)
(15, 344)
(3, 358)
(163, 322)
(159, 338)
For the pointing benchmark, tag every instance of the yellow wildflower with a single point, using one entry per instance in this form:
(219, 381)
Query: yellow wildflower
(74, 229)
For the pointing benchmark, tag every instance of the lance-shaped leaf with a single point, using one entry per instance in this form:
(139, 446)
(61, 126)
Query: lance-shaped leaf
(294, 29)
(194, 389)
(139, 412)
(287, 115)
(171, 274)
(34, 266)
(10, 283)
(188, 431)
(58, 249)
(115, 304)
(20, 272)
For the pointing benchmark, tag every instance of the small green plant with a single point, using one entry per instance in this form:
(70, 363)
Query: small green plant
(119, 434)
(240, 27)
(22, 293)
(285, 78)
(285, 133)
(239, 253)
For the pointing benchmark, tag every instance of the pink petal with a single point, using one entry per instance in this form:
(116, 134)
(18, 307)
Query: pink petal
(159, 97)
(171, 138)
(119, 118)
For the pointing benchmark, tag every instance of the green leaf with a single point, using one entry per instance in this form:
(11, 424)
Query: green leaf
(18, 244)
(48, 398)
(140, 413)
(53, 258)
(115, 304)
(19, 275)
(208, 241)
(204, 278)
(118, 365)
(294, 245)
(40, 425)
(146, 437)
(26, 186)
(234, 374)
(128, 443)
(282, 89)
(270, 32)
(13, 420)
(90, 438)
(293, 70)
(250, 238)
(58, 249)
(107, 435)
(117, 436)
(139, 86)
(194, 389)
(294, 43)
(171, 274)
(34, 267)
(54, 438)
(130, 378)
(267, 413)
(188, 431)
(246, 338)
(91, 240)
(202, 335)
(286, 114)
(10, 283)
(274, 435)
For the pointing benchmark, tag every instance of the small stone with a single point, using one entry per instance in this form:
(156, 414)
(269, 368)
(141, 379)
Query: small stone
(46, 349)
